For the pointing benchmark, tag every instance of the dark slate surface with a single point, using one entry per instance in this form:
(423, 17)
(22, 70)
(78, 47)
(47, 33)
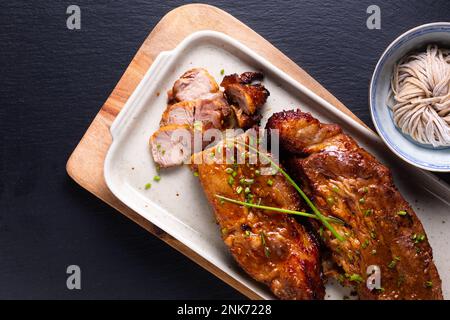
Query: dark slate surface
(52, 83)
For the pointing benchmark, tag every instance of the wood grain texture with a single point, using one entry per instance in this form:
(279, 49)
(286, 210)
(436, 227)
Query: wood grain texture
(85, 165)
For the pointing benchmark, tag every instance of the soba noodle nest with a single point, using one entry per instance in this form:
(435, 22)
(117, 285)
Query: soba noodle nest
(420, 96)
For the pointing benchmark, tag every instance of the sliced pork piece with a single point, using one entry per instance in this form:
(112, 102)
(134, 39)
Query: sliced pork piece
(240, 91)
(381, 228)
(272, 248)
(179, 113)
(212, 112)
(193, 84)
(171, 145)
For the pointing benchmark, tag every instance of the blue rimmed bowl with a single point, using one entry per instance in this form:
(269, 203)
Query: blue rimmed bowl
(419, 155)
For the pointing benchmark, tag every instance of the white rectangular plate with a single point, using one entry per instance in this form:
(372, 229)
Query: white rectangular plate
(177, 204)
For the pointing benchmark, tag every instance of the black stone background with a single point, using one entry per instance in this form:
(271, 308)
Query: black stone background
(53, 82)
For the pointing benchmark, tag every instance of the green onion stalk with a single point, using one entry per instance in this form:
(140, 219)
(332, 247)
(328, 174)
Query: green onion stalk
(293, 212)
(316, 211)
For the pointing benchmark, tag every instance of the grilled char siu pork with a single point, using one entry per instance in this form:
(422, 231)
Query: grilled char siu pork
(195, 102)
(241, 92)
(272, 248)
(381, 228)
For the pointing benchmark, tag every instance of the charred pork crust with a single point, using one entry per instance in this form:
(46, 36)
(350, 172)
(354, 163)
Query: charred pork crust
(243, 93)
(381, 229)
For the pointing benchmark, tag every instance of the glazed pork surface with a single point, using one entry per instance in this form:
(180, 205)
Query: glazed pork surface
(381, 229)
(273, 248)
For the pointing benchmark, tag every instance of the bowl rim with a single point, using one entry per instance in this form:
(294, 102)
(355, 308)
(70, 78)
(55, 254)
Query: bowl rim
(375, 75)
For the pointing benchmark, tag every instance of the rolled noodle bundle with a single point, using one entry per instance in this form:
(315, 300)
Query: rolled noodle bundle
(420, 96)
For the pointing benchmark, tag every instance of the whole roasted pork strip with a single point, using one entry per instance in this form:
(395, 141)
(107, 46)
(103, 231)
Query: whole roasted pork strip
(381, 229)
(273, 248)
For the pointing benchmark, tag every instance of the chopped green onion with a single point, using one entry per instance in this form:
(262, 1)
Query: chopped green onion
(148, 186)
(335, 188)
(365, 244)
(195, 173)
(392, 264)
(247, 190)
(362, 200)
(229, 170)
(429, 284)
(263, 238)
(222, 72)
(270, 182)
(257, 172)
(263, 241)
(249, 181)
(239, 190)
(356, 278)
(368, 212)
(402, 213)
(234, 174)
(418, 237)
(157, 178)
(400, 280)
(230, 181)
(224, 230)
(247, 233)
(330, 201)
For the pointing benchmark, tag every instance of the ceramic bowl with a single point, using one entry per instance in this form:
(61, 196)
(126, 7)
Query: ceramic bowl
(419, 155)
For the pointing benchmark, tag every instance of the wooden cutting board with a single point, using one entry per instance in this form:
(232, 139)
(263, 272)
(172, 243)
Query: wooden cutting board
(85, 165)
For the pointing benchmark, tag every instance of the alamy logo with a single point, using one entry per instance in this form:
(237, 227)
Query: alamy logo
(374, 277)
(374, 20)
(74, 279)
(73, 22)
